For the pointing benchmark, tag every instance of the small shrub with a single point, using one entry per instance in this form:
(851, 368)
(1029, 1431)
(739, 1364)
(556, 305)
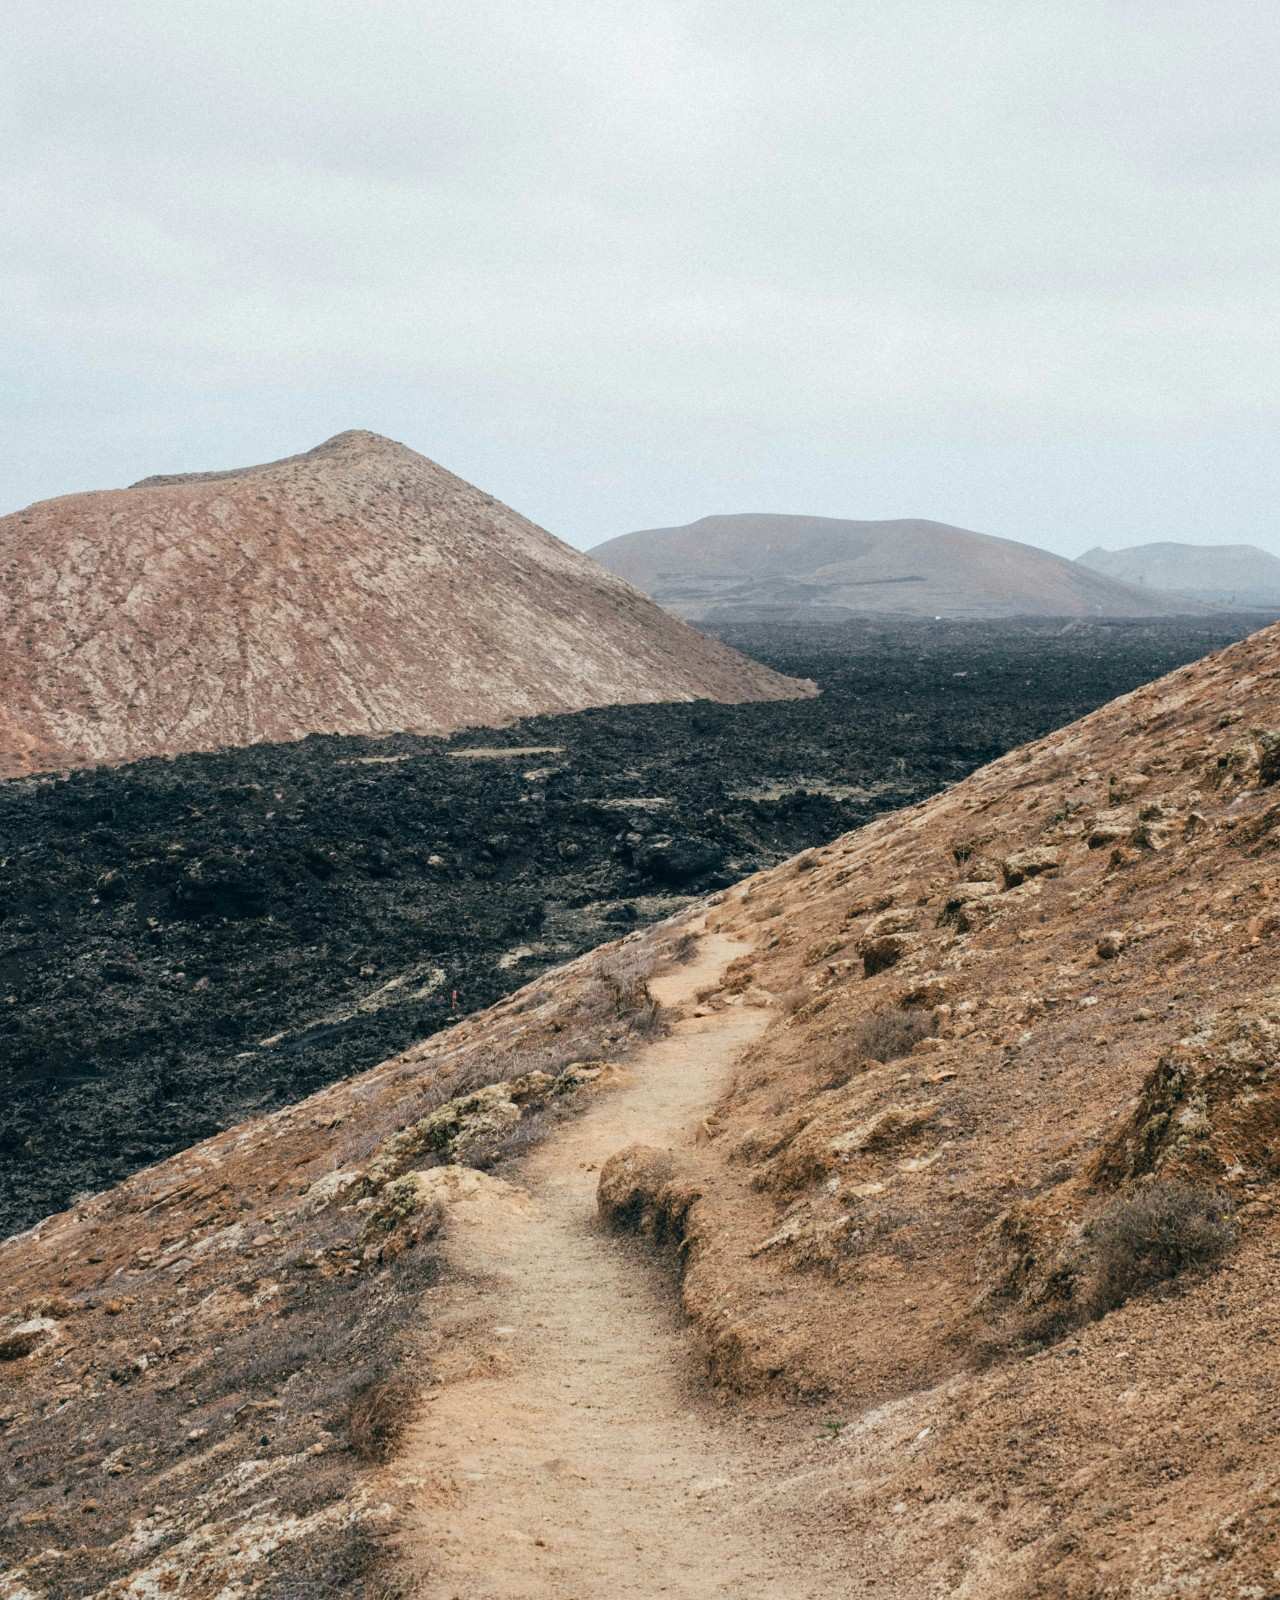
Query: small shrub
(624, 981)
(376, 1418)
(887, 1035)
(1152, 1235)
(682, 948)
(625, 995)
(521, 1137)
(881, 1036)
(647, 1020)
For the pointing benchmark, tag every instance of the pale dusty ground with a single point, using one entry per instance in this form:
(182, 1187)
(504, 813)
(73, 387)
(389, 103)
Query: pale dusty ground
(571, 1455)
(504, 752)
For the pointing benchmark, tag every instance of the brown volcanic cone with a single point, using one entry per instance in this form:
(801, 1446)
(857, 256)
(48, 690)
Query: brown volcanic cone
(358, 588)
(822, 568)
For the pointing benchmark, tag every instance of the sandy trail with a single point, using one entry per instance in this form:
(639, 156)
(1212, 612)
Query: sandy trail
(572, 1456)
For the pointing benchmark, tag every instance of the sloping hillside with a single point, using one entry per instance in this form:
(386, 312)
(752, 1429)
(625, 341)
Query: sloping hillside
(988, 1212)
(1221, 574)
(1071, 965)
(753, 566)
(358, 588)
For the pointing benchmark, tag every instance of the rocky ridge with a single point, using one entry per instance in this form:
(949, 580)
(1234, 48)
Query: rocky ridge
(1011, 1018)
(358, 588)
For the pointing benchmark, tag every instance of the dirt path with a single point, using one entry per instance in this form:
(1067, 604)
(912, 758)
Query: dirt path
(572, 1457)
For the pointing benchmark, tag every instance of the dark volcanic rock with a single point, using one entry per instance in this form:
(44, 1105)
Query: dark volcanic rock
(679, 861)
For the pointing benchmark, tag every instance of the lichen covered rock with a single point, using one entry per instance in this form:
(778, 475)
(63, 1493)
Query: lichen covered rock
(1024, 864)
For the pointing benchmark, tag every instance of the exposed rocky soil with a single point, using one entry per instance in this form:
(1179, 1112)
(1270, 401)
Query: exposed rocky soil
(754, 567)
(909, 1226)
(896, 1248)
(354, 589)
(184, 943)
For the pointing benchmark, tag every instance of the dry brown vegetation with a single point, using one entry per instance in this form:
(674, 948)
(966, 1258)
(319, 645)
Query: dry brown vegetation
(890, 1034)
(377, 1415)
(1157, 1233)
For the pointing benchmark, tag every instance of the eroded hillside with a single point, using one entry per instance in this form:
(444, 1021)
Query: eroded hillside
(1083, 939)
(185, 943)
(1069, 964)
(201, 1369)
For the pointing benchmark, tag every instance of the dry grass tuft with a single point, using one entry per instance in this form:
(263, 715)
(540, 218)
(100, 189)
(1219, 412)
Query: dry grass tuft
(1148, 1237)
(881, 1036)
(346, 1562)
(625, 994)
(890, 1034)
(376, 1417)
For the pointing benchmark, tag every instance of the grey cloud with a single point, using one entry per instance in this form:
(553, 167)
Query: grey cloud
(1003, 264)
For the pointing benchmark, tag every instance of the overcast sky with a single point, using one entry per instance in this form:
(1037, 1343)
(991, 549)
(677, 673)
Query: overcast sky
(1011, 264)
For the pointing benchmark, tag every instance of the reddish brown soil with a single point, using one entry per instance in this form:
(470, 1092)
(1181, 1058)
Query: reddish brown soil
(908, 1240)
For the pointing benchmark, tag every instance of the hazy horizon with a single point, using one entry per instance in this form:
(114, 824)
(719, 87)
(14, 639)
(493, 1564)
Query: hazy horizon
(1009, 268)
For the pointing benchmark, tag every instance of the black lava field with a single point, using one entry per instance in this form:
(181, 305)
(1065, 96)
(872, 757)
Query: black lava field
(186, 943)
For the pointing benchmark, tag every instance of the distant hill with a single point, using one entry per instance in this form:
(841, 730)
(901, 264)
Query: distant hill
(358, 588)
(754, 566)
(1220, 574)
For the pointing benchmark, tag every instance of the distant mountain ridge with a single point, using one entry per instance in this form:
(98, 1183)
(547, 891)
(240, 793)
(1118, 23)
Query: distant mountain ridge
(356, 588)
(760, 566)
(1219, 574)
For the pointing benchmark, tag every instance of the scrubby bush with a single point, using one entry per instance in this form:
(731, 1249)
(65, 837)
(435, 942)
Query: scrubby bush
(624, 979)
(887, 1035)
(376, 1417)
(1152, 1235)
(880, 1036)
